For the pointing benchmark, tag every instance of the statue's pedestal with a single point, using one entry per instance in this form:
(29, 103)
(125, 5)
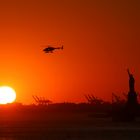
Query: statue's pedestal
(132, 99)
(132, 104)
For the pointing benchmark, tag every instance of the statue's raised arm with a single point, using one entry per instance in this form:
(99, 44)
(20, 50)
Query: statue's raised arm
(128, 72)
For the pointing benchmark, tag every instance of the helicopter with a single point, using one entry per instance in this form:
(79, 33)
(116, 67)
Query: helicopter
(50, 49)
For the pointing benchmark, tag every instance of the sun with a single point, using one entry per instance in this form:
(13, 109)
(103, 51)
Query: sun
(7, 95)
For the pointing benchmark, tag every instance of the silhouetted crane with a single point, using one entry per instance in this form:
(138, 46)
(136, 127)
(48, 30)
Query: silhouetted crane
(41, 100)
(93, 100)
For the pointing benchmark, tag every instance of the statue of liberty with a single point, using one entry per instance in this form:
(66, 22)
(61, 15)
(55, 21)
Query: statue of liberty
(131, 82)
(132, 95)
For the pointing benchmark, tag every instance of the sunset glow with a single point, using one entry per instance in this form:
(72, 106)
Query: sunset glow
(100, 39)
(7, 95)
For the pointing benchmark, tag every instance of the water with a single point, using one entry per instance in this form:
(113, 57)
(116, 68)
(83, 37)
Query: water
(69, 130)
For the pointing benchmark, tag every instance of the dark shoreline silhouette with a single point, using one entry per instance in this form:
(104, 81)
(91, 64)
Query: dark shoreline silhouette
(118, 110)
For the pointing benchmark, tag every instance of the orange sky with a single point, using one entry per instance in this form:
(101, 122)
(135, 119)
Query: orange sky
(101, 39)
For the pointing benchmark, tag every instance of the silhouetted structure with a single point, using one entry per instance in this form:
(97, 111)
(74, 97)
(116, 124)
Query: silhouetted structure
(132, 103)
(94, 100)
(132, 95)
(126, 111)
(116, 99)
(41, 100)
